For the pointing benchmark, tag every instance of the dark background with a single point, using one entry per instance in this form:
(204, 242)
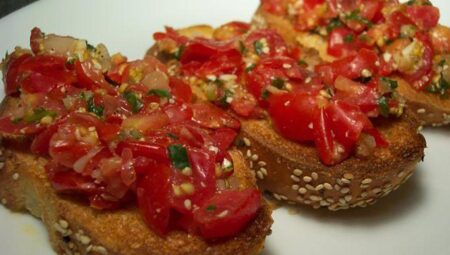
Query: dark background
(8, 6)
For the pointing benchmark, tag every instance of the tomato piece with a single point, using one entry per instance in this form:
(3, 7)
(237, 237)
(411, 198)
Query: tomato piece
(67, 181)
(227, 213)
(293, 114)
(343, 42)
(146, 123)
(274, 6)
(41, 143)
(323, 139)
(180, 90)
(170, 34)
(224, 138)
(13, 74)
(143, 149)
(244, 105)
(178, 112)
(266, 43)
(231, 30)
(423, 76)
(210, 116)
(92, 78)
(395, 22)
(153, 193)
(364, 95)
(424, 16)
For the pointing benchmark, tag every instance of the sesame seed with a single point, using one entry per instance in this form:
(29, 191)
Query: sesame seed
(315, 176)
(310, 187)
(337, 187)
(247, 141)
(283, 197)
(401, 174)
(327, 186)
(262, 163)
(302, 190)
(263, 170)
(188, 204)
(348, 176)
(255, 157)
(307, 202)
(84, 239)
(366, 181)
(345, 190)
(100, 249)
(297, 172)
(364, 194)
(295, 178)
(260, 175)
(307, 179)
(295, 187)
(319, 187)
(345, 181)
(249, 153)
(63, 223)
(324, 203)
(376, 190)
(276, 196)
(421, 110)
(342, 201)
(15, 176)
(348, 198)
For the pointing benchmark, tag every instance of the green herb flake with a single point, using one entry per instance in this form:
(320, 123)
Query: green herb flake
(178, 156)
(302, 62)
(211, 208)
(224, 99)
(242, 47)
(38, 114)
(179, 52)
(334, 23)
(173, 136)
(354, 15)
(258, 45)
(383, 106)
(278, 83)
(135, 134)
(95, 109)
(16, 120)
(134, 101)
(348, 38)
(250, 67)
(160, 92)
(265, 94)
(393, 84)
(442, 63)
(90, 47)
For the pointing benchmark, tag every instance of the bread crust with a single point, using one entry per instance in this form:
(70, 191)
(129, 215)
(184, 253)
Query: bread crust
(75, 228)
(431, 109)
(293, 172)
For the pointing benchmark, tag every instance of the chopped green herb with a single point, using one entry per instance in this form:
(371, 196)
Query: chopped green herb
(16, 120)
(442, 63)
(383, 106)
(134, 101)
(265, 94)
(258, 47)
(211, 208)
(278, 83)
(348, 38)
(334, 23)
(354, 15)
(135, 134)
(224, 99)
(160, 92)
(393, 84)
(250, 67)
(302, 62)
(92, 107)
(179, 52)
(242, 47)
(178, 156)
(38, 114)
(71, 60)
(172, 136)
(90, 47)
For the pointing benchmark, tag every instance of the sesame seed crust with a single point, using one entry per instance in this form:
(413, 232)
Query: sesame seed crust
(296, 173)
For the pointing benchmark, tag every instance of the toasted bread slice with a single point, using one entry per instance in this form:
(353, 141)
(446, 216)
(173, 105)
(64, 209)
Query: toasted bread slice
(75, 228)
(431, 109)
(293, 171)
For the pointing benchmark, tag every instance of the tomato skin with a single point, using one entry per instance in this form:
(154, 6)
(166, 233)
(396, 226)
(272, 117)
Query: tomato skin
(323, 138)
(273, 6)
(224, 138)
(91, 78)
(424, 16)
(283, 110)
(244, 105)
(241, 206)
(143, 149)
(275, 43)
(423, 76)
(210, 116)
(180, 90)
(154, 192)
(36, 37)
(340, 46)
(12, 74)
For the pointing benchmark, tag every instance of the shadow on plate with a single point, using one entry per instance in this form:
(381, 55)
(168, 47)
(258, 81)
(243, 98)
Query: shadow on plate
(396, 205)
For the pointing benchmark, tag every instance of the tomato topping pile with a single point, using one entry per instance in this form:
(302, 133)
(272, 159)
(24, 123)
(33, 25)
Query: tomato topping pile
(117, 131)
(330, 108)
(406, 37)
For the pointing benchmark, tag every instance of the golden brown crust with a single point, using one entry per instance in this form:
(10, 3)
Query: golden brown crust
(24, 187)
(432, 110)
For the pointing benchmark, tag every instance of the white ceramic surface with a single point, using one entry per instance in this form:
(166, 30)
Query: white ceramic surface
(413, 220)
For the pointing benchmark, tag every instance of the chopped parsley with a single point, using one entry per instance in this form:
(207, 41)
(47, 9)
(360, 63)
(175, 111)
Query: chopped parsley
(354, 15)
(135, 134)
(250, 67)
(383, 106)
(224, 99)
(178, 156)
(440, 87)
(134, 101)
(393, 84)
(302, 62)
(173, 136)
(259, 47)
(92, 107)
(348, 38)
(242, 47)
(160, 92)
(211, 208)
(278, 83)
(38, 114)
(179, 52)
(334, 23)
(90, 47)
(265, 94)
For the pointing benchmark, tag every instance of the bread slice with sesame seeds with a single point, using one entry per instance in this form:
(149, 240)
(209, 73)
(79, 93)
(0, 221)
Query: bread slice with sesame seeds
(431, 109)
(75, 228)
(293, 172)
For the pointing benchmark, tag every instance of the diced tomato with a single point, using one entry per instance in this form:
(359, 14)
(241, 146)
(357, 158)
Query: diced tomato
(244, 105)
(143, 149)
(343, 42)
(41, 143)
(231, 30)
(68, 181)
(178, 112)
(180, 90)
(323, 139)
(424, 16)
(227, 213)
(210, 116)
(266, 43)
(12, 77)
(224, 138)
(395, 22)
(92, 78)
(170, 34)
(423, 76)
(146, 123)
(154, 192)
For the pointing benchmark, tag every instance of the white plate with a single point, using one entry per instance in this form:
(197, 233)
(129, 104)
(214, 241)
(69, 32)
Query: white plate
(413, 220)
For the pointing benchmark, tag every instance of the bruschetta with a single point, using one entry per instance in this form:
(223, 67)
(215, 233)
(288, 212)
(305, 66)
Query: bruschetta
(111, 156)
(412, 47)
(338, 146)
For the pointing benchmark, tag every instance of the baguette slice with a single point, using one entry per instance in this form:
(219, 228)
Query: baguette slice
(75, 228)
(293, 171)
(431, 109)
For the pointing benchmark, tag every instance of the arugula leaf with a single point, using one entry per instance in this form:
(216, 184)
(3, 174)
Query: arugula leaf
(38, 114)
(134, 101)
(178, 156)
(160, 92)
(92, 107)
